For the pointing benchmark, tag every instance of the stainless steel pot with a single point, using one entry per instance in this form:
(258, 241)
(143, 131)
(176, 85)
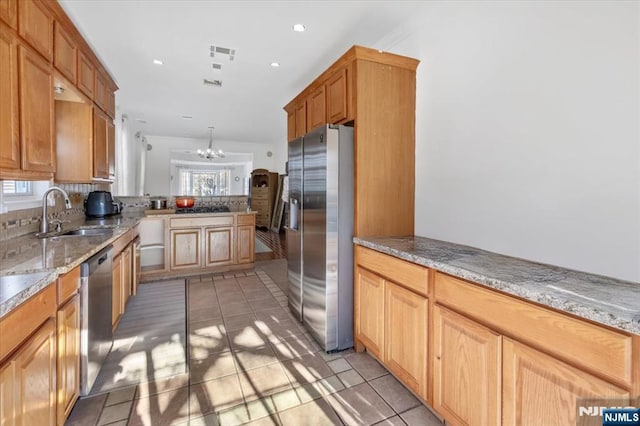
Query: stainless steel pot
(158, 203)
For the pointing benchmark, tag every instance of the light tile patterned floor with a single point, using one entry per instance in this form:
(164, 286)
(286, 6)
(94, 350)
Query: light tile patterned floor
(250, 362)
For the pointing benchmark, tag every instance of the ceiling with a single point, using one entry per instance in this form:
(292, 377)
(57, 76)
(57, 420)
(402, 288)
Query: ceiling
(128, 35)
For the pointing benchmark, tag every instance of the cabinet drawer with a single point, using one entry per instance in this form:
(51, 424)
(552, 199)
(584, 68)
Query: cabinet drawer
(19, 324)
(407, 274)
(246, 219)
(599, 349)
(122, 242)
(68, 284)
(260, 204)
(202, 221)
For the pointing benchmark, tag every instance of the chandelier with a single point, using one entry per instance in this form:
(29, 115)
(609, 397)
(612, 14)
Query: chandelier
(210, 153)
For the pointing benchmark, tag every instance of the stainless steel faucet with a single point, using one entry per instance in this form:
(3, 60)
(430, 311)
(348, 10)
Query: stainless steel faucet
(44, 223)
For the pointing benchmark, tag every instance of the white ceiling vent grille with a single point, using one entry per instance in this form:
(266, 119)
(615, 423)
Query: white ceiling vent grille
(221, 52)
(217, 67)
(216, 83)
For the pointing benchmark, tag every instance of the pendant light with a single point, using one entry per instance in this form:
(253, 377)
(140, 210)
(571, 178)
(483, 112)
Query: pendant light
(210, 153)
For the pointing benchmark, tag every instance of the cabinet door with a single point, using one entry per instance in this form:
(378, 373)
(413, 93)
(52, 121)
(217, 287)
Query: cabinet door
(100, 145)
(64, 53)
(369, 311)
(116, 290)
(466, 374)
(74, 142)
(86, 77)
(9, 119)
(185, 248)
(126, 278)
(406, 336)
(8, 390)
(301, 119)
(111, 149)
(36, 112)
(219, 246)
(9, 12)
(291, 124)
(36, 26)
(316, 109)
(68, 357)
(337, 97)
(540, 390)
(245, 252)
(35, 378)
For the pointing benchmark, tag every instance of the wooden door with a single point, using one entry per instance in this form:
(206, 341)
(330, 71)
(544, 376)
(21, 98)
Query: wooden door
(291, 124)
(100, 145)
(111, 149)
(466, 370)
(126, 278)
(301, 119)
(9, 12)
(116, 290)
(64, 53)
(36, 26)
(316, 109)
(35, 378)
(406, 336)
(36, 112)
(9, 118)
(68, 357)
(245, 251)
(185, 248)
(369, 311)
(86, 77)
(337, 97)
(219, 246)
(540, 390)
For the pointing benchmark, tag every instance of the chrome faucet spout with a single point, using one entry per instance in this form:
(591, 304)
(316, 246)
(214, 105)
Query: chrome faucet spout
(44, 223)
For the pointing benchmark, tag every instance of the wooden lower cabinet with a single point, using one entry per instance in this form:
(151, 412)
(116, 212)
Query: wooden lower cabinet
(116, 290)
(405, 336)
(369, 309)
(219, 249)
(68, 357)
(538, 389)
(466, 370)
(185, 248)
(127, 277)
(28, 381)
(245, 244)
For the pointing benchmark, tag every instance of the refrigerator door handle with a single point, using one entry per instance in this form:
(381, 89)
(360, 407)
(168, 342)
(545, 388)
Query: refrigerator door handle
(294, 210)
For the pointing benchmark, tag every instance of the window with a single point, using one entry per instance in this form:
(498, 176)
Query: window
(205, 182)
(13, 188)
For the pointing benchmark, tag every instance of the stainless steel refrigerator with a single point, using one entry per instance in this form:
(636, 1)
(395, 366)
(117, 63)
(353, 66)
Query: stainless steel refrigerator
(320, 234)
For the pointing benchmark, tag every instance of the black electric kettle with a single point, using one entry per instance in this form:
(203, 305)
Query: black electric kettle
(100, 204)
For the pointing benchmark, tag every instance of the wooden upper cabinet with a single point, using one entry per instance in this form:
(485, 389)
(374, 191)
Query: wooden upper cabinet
(337, 97)
(369, 311)
(540, 390)
(110, 101)
(65, 53)
(86, 71)
(111, 149)
(74, 142)
(291, 124)
(36, 26)
(100, 145)
(316, 109)
(100, 90)
(9, 118)
(467, 366)
(301, 119)
(9, 12)
(36, 112)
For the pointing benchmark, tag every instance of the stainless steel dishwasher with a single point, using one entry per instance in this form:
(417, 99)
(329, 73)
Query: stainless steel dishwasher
(95, 321)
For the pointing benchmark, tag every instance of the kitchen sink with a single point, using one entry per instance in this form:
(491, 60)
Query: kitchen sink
(88, 232)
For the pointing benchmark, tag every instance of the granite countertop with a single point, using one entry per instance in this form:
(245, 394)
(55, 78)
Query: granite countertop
(601, 299)
(172, 215)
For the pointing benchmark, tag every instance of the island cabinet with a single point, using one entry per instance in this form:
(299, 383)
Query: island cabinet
(185, 248)
(375, 93)
(391, 308)
(219, 246)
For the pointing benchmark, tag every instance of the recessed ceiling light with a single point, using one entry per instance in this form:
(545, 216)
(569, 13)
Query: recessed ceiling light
(298, 28)
(275, 64)
(158, 62)
(186, 117)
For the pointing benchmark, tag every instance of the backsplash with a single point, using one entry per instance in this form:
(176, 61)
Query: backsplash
(236, 203)
(26, 221)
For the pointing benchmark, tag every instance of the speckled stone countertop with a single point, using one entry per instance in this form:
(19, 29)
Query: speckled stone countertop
(601, 299)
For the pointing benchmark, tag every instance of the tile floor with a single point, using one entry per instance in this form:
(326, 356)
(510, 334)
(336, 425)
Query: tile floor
(250, 362)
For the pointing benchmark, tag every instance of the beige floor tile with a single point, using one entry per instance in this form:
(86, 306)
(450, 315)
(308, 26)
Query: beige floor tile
(271, 420)
(394, 393)
(339, 365)
(264, 304)
(350, 378)
(306, 369)
(246, 338)
(237, 308)
(323, 387)
(213, 327)
(360, 405)
(216, 395)
(287, 399)
(314, 413)
(86, 411)
(212, 367)
(420, 416)
(225, 298)
(121, 395)
(208, 420)
(366, 365)
(392, 421)
(200, 346)
(204, 314)
(263, 381)
(292, 347)
(162, 385)
(260, 294)
(114, 413)
(166, 408)
(238, 322)
(249, 359)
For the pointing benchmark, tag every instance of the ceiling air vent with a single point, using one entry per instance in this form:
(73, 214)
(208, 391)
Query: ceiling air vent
(219, 51)
(217, 83)
(217, 67)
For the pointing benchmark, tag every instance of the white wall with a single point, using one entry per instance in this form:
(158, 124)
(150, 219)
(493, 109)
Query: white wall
(527, 129)
(158, 177)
